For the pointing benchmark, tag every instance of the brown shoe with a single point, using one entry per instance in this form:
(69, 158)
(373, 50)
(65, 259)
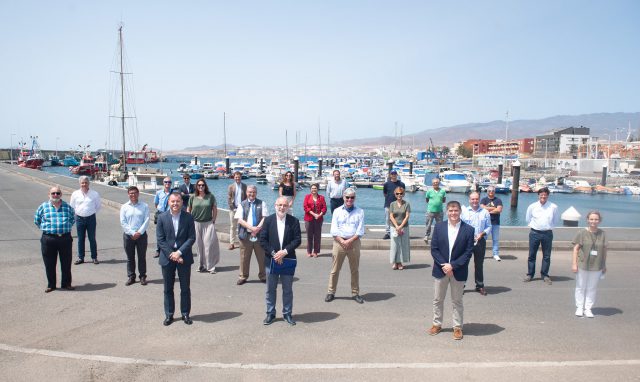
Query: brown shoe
(49, 290)
(143, 280)
(435, 329)
(482, 291)
(130, 281)
(457, 333)
(231, 246)
(241, 281)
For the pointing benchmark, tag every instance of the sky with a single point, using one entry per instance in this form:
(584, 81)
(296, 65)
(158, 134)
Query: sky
(350, 69)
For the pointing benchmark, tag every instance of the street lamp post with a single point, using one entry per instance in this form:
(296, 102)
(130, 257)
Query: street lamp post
(11, 147)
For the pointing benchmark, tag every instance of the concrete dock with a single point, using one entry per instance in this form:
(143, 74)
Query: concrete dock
(106, 331)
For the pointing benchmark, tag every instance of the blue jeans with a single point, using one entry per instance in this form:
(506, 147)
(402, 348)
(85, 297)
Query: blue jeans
(86, 227)
(537, 239)
(287, 293)
(495, 239)
(169, 276)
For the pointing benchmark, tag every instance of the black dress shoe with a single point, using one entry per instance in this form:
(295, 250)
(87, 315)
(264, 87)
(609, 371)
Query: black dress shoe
(130, 281)
(386, 237)
(78, 261)
(329, 297)
(269, 319)
(187, 320)
(357, 298)
(69, 287)
(167, 321)
(49, 290)
(143, 280)
(96, 262)
(290, 321)
(156, 255)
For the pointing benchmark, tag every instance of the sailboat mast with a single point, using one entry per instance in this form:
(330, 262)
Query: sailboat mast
(124, 154)
(224, 132)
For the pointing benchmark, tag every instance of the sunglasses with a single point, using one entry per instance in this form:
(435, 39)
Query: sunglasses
(400, 193)
(349, 197)
(56, 193)
(201, 185)
(167, 181)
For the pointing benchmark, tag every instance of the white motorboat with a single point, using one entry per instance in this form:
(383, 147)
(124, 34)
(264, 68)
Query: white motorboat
(454, 181)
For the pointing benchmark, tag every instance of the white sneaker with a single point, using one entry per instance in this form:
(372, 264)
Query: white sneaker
(497, 258)
(588, 313)
(213, 271)
(426, 239)
(579, 312)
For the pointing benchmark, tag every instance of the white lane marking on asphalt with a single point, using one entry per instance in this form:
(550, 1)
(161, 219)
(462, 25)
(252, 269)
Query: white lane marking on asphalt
(312, 366)
(31, 226)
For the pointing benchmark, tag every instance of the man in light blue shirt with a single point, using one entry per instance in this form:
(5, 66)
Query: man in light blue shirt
(480, 220)
(134, 219)
(347, 227)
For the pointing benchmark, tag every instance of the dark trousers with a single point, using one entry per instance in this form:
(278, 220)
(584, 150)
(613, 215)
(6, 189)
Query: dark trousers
(169, 276)
(314, 234)
(478, 261)
(130, 248)
(542, 239)
(335, 203)
(86, 227)
(53, 246)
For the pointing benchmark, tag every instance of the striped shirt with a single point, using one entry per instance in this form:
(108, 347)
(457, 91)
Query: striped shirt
(54, 221)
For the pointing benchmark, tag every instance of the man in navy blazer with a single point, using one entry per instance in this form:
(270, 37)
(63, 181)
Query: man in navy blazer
(451, 249)
(176, 234)
(280, 236)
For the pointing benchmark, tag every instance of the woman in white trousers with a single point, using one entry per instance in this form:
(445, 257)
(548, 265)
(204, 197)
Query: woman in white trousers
(589, 263)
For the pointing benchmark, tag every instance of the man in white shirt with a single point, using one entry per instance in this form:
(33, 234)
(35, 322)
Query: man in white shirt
(451, 249)
(134, 219)
(542, 216)
(335, 189)
(347, 227)
(279, 240)
(86, 204)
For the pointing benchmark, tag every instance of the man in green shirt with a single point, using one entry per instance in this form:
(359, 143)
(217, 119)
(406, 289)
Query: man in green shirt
(435, 197)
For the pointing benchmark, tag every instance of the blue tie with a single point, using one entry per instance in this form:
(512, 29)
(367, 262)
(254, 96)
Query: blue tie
(253, 212)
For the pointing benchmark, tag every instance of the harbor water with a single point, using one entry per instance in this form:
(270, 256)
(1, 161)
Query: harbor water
(616, 210)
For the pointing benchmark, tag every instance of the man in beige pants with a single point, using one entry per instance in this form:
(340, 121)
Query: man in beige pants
(347, 227)
(237, 192)
(250, 215)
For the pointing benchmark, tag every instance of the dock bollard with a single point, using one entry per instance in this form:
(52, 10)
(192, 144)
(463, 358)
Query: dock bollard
(570, 217)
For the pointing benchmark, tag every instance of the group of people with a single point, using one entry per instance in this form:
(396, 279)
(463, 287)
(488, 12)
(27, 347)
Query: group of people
(186, 216)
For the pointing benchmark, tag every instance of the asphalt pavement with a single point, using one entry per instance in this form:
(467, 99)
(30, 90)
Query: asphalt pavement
(106, 331)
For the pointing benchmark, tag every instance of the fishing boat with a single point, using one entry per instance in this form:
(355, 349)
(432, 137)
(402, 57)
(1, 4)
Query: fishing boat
(31, 158)
(599, 189)
(54, 160)
(142, 156)
(86, 166)
(70, 160)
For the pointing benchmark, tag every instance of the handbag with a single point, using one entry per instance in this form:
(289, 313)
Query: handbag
(288, 267)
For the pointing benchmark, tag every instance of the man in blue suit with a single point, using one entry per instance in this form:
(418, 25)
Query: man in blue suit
(451, 249)
(279, 238)
(176, 234)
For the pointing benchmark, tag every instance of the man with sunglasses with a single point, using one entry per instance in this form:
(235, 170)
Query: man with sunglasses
(55, 218)
(186, 189)
(161, 202)
(347, 227)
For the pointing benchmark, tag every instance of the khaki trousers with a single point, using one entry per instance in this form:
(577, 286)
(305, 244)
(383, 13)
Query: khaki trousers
(354, 263)
(440, 293)
(207, 245)
(246, 248)
(233, 228)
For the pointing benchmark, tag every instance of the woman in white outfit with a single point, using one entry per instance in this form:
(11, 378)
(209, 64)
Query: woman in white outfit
(589, 263)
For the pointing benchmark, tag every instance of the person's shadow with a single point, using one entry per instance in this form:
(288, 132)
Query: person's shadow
(606, 311)
(215, 317)
(312, 317)
(478, 329)
(93, 287)
(373, 297)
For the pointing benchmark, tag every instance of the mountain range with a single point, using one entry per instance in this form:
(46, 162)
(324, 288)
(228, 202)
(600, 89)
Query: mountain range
(600, 124)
